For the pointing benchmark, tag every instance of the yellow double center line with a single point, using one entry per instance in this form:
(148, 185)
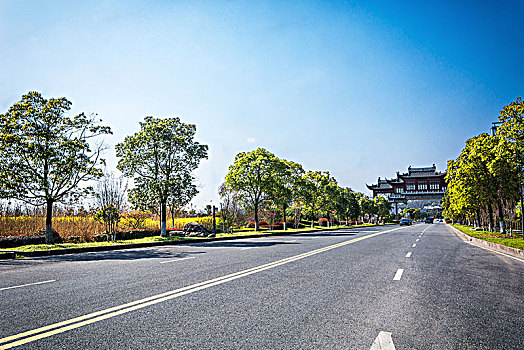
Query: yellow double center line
(77, 322)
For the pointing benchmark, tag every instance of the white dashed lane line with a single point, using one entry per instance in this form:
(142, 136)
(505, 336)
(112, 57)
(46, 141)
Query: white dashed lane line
(408, 255)
(175, 260)
(414, 245)
(398, 275)
(28, 284)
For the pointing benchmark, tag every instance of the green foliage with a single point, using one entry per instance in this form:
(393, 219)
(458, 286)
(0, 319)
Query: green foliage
(485, 178)
(383, 207)
(319, 193)
(44, 154)
(109, 216)
(347, 204)
(367, 205)
(161, 158)
(253, 175)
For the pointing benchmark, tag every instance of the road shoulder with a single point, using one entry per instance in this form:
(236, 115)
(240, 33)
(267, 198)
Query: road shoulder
(494, 246)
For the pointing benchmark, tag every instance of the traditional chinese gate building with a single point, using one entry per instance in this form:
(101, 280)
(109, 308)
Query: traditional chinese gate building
(417, 184)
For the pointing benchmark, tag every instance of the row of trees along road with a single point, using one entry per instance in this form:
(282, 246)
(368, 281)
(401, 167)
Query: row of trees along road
(259, 178)
(484, 181)
(45, 155)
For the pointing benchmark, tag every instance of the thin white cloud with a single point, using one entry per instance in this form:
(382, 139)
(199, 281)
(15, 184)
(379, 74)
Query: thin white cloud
(250, 140)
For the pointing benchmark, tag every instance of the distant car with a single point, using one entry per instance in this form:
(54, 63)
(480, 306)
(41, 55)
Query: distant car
(406, 222)
(429, 220)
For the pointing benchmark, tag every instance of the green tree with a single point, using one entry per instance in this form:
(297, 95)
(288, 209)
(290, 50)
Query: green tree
(367, 206)
(318, 192)
(383, 207)
(45, 154)
(160, 157)
(347, 205)
(253, 175)
(284, 187)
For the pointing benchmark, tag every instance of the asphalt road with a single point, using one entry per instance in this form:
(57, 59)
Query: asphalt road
(328, 290)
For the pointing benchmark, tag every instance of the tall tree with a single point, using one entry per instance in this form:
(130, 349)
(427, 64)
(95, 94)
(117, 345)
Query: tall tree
(252, 175)
(45, 154)
(158, 157)
(367, 206)
(284, 187)
(383, 207)
(347, 204)
(318, 192)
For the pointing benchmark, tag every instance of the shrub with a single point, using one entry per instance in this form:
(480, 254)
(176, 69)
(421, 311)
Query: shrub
(73, 239)
(277, 226)
(100, 238)
(20, 240)
(136, 234)
(251, 224)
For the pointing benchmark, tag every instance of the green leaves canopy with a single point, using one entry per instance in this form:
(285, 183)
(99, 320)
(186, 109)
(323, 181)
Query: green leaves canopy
(45, 154)
(254, 175)
(160, 158)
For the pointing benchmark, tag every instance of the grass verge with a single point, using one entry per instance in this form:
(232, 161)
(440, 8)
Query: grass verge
(495, 237)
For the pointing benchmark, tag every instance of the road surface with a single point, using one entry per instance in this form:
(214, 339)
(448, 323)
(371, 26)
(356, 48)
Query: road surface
(421, 286)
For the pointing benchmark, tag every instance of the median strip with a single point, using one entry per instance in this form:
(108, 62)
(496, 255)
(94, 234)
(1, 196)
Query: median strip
(77, 322)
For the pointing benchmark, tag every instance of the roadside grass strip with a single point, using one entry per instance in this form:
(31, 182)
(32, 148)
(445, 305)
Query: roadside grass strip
(77, 322)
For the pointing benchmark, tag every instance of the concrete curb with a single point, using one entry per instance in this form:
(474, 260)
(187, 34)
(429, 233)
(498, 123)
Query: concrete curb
(11, 254)
(495, 246)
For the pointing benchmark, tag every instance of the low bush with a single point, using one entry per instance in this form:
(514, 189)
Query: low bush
(277, 226)
(136, 234)
(20, 240)
(100, 238)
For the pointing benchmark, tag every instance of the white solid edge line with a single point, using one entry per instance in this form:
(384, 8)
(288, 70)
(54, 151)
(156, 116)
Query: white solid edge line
(28, 284)
(179, 259)
(408, 255)
(383, 342)
(495, 251)
(398, 275)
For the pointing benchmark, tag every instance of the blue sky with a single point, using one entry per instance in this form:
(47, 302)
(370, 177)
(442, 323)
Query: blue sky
(361, 89)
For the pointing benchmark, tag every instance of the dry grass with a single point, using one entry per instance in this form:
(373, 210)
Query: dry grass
(71, 222)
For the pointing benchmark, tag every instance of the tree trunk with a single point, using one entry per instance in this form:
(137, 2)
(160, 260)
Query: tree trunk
(478, 218)
(491, 223)
(256, 217)
(284, 216)
(501, 219)
(163, 227)
(48, 222)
